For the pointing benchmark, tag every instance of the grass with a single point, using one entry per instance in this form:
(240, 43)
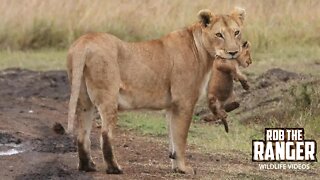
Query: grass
(298, 59)
(46, 59)
(145, 123)
(213, 138)
(280, 35)
(301, 59)
(269, 24)
(208, 137)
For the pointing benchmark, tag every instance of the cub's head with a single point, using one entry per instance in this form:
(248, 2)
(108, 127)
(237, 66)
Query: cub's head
(221, 34)
(244, 59)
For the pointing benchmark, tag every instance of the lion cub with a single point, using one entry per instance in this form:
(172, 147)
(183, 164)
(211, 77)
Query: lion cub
(220, 89)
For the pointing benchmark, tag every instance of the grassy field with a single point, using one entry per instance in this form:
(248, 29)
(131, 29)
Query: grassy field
(39, 24)
(208, 138)
(41, 60)
(299, 59)
(282, 32)
(285, 33)
(213, 138)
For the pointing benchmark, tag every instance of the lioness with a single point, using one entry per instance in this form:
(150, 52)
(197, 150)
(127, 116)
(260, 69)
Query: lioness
(166, 73)
(220, 89)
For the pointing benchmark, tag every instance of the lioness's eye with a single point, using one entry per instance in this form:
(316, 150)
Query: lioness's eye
(236, 33)
(219, 35)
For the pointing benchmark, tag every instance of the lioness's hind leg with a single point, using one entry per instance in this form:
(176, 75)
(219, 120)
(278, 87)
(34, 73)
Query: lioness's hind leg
(103, 81)
(108, 113)
(85, 117)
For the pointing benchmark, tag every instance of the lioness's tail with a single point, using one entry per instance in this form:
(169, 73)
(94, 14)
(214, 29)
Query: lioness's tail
(77, 65)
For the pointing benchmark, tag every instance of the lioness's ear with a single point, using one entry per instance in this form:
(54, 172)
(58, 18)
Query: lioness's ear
(205, 17)
(246, 45)
(239, 13)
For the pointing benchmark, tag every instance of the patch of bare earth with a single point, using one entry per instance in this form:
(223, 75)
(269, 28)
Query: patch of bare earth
(33, 102)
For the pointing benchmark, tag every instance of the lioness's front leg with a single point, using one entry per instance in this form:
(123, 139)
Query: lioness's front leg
(179, 127)
(168, 118)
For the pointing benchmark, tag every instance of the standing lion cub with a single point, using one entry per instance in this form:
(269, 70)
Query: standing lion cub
(221, 96)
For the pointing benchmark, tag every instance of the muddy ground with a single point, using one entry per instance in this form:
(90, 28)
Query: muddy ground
(32, 102)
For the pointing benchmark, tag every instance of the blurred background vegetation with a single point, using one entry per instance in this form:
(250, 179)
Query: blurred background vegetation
(284, 28)
(36, 24)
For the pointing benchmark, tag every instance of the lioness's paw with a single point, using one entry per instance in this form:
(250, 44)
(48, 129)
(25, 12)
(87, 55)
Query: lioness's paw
(114, 170)
(87, 167)
(186, 170)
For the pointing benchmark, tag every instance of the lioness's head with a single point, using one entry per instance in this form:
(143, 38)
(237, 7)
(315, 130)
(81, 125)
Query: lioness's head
(244, 59)
(221, 34)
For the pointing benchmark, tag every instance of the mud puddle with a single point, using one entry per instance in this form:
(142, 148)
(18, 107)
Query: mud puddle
(10, 145)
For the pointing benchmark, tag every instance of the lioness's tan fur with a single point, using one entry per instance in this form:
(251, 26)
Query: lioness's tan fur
(165, 73)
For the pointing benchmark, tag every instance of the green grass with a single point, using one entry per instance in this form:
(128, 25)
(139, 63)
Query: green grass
(210, 137)
(207, 137)
(49, 59)
(301, 59)
(145, 123)
(59, 23)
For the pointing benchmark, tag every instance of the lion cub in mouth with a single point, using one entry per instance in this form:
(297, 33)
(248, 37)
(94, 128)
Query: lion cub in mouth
(220, 89)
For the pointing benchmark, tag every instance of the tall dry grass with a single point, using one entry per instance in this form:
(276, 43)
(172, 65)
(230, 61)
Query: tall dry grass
(35, 24)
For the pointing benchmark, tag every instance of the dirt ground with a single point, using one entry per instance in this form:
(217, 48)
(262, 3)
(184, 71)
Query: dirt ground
(32, 102)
